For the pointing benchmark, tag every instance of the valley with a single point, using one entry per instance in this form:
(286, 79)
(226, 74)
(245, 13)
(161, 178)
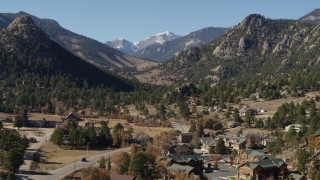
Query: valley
(241, 102)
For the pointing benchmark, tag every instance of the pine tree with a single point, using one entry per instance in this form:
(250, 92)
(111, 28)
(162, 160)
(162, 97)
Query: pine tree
(220, 147)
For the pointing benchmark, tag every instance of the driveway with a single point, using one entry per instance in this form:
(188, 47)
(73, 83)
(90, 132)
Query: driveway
(42, 135)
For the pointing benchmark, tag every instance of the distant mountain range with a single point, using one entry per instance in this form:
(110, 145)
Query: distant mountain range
(29, 56)
(88, 49)
(164, 46)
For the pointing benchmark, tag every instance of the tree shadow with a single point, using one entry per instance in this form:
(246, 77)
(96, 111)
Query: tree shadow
(33, 173)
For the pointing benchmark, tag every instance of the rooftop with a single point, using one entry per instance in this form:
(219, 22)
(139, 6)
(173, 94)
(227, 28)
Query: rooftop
(177, 167)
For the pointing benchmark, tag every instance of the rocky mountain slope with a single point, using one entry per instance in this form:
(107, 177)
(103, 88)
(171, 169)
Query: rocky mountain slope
(313, 17)
(282, 52)
(88, 49)
(28, 55)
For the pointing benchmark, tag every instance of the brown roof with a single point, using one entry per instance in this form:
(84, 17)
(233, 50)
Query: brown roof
(121, 177)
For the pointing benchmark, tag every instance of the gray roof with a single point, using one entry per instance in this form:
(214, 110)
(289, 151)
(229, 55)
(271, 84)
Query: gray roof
(176, 167)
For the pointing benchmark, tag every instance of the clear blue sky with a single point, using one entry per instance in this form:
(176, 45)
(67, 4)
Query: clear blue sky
(138, 19)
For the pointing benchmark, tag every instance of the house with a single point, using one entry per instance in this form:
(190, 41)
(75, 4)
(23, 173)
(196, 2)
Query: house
(242, 110)
(249, 155)
(73, 117)
(259, 110)
(263, 169)
(315, 140)
(296, 127)
(208, 144)
(182, 149)
(188, 170)
(185, 137)
(81, 113)
(209, 132)
(268, 139)
(239, 143)
(192, 160)
(294, 176)
(255, 95)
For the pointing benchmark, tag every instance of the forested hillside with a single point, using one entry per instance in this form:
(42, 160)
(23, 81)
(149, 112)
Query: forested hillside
(257, 55)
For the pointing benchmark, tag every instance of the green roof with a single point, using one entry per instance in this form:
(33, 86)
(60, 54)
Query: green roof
(252, 165)
(317, 132)
(260, 157)
(253, 153)
(265, 163)
(177, 167)
(295, 176)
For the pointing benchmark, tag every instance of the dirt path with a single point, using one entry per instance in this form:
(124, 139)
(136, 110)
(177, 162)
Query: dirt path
(42, 135)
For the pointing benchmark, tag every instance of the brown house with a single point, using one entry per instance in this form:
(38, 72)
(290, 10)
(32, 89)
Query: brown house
(315, 140)
(263, 169)
(249, 155)
(176, 168)
(194, 161)
(185, 137)
(81, 113)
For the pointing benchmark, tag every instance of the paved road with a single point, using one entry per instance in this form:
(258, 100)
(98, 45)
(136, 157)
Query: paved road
(64, 171)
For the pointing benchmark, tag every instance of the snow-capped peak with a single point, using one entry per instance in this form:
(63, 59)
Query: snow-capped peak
(159, 38)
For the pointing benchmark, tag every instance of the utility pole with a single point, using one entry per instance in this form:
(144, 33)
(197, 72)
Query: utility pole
(88, 148)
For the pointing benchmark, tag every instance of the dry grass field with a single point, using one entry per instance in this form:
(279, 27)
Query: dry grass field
(55, 157)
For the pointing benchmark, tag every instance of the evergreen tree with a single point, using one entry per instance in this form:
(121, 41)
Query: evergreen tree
(143, 165)
(57, 137)
(162, 111)
(18, 122)
(303, 158)
(25, 119)
(105, 135)
(236, 117)
(220, 147)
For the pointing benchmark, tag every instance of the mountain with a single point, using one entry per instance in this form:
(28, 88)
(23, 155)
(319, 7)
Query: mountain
(28, 55)
(159, 38)
(169, 49)
(130, 48)
(122, 45)
(88, 49)
(164, 46)
(313, 17)
(255, 53)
